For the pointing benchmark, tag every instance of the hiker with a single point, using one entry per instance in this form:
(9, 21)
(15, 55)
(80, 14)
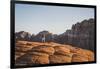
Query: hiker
(43, 38)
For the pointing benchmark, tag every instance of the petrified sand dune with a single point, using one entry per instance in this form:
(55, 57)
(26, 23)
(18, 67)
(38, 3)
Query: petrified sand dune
(60, 59)
(61, 50)
(33, 53)
(44, 49)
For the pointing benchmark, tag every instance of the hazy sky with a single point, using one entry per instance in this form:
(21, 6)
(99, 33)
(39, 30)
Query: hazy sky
(55, 19)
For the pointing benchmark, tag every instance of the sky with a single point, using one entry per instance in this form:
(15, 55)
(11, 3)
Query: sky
(55, 19)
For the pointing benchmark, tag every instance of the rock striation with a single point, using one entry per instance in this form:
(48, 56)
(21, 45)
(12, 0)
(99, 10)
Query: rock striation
(35, 53)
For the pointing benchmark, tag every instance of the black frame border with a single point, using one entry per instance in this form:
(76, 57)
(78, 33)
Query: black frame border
(12, 31)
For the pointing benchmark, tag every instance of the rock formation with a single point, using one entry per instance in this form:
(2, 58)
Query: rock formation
(82, 34)
(35, 53)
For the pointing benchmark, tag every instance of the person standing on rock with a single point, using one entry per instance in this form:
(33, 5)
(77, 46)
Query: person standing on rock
(43, 38)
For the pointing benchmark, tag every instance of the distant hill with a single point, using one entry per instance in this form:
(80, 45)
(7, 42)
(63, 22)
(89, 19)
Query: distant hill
(22, 35)
(39, 36)
(80, 35)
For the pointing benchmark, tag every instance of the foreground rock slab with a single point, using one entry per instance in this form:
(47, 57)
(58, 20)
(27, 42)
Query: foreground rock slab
(34, 53)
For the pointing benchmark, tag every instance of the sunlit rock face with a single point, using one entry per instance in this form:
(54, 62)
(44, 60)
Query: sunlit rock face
(36, 53)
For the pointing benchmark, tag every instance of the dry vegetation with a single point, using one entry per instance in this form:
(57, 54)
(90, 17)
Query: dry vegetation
(33, 53)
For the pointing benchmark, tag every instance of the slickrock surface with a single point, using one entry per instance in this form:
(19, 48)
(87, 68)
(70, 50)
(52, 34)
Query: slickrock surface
(33, 53)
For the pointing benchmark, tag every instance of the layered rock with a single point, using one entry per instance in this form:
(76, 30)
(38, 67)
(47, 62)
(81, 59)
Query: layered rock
(49, 53)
